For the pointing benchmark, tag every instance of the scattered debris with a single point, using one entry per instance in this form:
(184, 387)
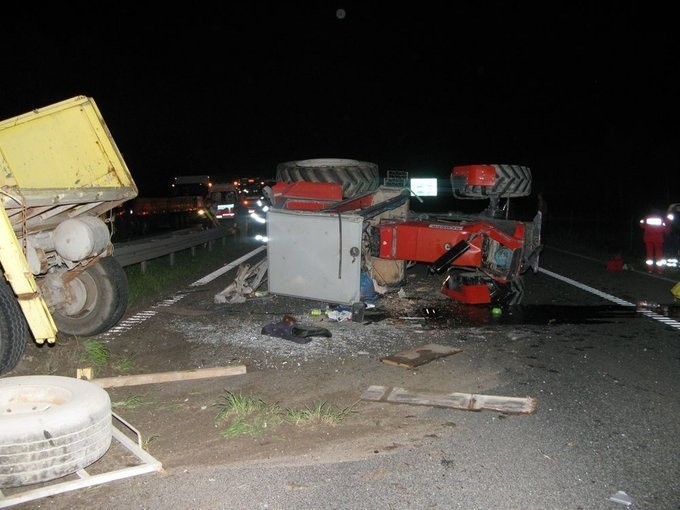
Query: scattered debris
(374, 315)
(615, 264)
(136, 380)
(464, 401)
(419, 355)
(339, 315)
(380, 289)
(248, 279)
(621, 497)
(358, 310)
(288, 329)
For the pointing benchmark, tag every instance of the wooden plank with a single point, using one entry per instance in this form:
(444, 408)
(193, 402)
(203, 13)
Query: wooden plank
(375, 393)
(85, 373)
(464, 401)
(135, 380)
(419, 355)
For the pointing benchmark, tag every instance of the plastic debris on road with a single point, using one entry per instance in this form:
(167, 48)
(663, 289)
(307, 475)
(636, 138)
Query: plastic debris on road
(621, 497)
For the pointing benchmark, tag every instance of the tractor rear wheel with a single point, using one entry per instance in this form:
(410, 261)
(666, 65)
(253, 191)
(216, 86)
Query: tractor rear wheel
(356, 177)
(511, 181)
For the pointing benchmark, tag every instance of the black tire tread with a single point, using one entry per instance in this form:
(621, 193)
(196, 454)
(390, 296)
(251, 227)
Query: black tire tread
(356, 177)
(511, 181)
(65, 437)
(112, 281)
(13, 329)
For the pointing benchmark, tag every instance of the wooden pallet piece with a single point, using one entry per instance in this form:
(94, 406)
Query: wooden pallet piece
(464, 401)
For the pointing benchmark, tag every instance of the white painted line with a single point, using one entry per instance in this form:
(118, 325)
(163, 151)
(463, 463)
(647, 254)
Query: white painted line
(127, 324)
(170, 301)
(138, 318)
(647, 313)
(581, 286)
(210, 277)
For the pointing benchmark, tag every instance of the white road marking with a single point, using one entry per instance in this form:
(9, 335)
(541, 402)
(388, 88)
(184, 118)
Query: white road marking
(127, 324)
(210, 277)
(647, 313)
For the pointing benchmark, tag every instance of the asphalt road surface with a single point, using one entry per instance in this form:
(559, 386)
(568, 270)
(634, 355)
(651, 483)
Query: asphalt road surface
(600, 351)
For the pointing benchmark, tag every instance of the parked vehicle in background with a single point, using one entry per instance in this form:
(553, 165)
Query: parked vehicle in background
(191, 200)
(224, 196)
(62, 175)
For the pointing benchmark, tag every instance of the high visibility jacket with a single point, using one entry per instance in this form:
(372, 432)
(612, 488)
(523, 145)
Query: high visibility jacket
(655, 229)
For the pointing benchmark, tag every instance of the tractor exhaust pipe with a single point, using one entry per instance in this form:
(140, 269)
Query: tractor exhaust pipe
(452, 254)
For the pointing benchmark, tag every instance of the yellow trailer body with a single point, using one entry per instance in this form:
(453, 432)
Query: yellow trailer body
(58, 162)
(61, 174)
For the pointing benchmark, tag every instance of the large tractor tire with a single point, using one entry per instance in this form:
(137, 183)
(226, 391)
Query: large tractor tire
(99, 300)
(50, 426)
(356, 177)
(13, 329)
(511, 181)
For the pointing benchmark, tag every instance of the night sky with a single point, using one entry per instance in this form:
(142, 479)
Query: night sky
(585, 93)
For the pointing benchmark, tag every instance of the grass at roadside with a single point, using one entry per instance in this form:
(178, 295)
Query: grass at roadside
(132, 402)
(160, 275)
(240, 415)
(95, 353)
(322, 413)
(246, 415)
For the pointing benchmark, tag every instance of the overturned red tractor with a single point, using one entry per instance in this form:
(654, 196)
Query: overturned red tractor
(331, 223)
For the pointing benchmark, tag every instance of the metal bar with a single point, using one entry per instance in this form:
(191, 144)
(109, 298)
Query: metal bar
(134, 252)
(150, 464)
(388, 204)
(210, 277)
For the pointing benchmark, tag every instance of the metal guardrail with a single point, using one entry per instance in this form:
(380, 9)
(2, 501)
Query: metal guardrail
(142, 250)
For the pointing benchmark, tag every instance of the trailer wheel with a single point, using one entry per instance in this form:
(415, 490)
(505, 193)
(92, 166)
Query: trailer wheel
(98, 300)
(356, 177)
(511, 181)
(13, 329)
(50, 426)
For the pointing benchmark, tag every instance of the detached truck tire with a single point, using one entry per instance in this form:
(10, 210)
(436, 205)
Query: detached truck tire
(356, 177)
(99, 300)
(50, 426)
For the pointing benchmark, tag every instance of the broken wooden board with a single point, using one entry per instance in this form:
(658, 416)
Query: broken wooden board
(135, 380)
(464, 401)
(419, 355)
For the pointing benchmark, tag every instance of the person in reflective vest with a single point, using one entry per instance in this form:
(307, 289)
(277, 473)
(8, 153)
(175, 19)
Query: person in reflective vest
(655, 228)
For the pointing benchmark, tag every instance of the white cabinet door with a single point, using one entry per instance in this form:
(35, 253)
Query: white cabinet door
(314, 255)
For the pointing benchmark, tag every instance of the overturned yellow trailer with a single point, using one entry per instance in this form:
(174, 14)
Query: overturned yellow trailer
(61, 175)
